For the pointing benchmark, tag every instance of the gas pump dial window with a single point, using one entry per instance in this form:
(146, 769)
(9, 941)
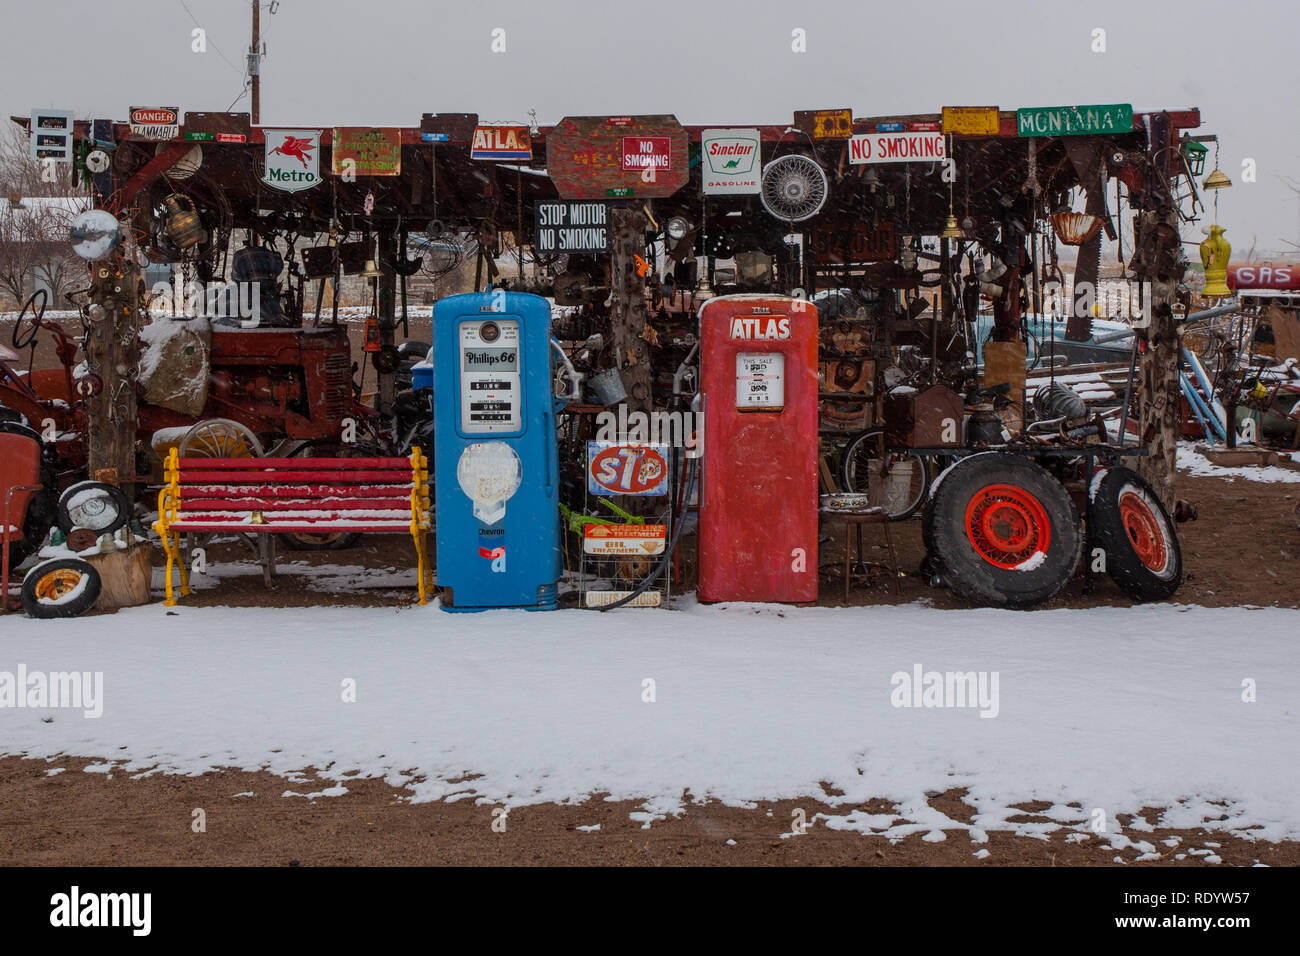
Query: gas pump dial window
(490, 380)
(760, 381)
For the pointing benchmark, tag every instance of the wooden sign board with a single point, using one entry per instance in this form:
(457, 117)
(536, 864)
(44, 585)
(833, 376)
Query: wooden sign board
(372, 151)
(587, 157)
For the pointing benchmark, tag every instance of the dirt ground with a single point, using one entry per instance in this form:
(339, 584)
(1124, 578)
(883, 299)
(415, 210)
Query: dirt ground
(1242, 550)
(106, 819)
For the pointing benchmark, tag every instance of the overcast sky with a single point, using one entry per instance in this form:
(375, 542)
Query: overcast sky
(384, 62)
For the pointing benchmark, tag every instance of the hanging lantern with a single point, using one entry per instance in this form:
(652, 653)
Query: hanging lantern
(373, 343)
(182, 224)
(1195, 154)
(1214, 256)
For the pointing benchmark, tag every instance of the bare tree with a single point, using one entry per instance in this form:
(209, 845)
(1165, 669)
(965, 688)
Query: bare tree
(20, 175)
(34, 247)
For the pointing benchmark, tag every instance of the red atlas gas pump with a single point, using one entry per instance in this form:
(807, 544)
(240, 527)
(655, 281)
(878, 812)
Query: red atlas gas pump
(758, 499)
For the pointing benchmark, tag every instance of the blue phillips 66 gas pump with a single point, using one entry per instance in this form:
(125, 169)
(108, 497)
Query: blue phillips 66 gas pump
(495, 459)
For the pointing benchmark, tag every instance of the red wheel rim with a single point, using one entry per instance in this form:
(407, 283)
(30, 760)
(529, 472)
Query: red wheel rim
(1143, 530)
(1006, 525)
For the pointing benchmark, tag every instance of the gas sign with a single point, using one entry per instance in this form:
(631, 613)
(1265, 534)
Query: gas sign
(496, 143)
(896, 148)
(626, 469)
(730, 161)
(292, 159)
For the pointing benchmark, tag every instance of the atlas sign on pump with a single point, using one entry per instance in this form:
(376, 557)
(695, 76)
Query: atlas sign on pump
(897, 148)
(730, 161)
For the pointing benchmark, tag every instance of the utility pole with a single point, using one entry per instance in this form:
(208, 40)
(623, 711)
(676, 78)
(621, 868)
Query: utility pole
(255, 63)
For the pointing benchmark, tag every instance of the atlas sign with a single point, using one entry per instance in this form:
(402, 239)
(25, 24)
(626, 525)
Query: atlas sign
(730, 161)
(897, 148)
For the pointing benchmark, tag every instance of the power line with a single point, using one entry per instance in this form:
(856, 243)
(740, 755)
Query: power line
(213, 42)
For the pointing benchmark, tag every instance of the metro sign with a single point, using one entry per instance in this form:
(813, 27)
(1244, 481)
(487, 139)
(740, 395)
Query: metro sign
(496, 143)
(760, 326)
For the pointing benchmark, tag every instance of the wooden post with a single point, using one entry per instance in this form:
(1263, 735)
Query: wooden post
(112, 348)
(1159, 393)
(387, 318)
(627, 320)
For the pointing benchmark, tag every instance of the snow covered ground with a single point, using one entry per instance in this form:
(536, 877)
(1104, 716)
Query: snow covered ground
(1110, 709)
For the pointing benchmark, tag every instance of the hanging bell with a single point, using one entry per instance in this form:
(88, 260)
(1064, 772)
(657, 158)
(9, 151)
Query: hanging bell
(370, 270)
(702, 291)
(373, 343)
(1217, 180)
(950, 228)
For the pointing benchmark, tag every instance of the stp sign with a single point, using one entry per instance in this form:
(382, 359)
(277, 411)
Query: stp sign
(647, 152)
(626, 469)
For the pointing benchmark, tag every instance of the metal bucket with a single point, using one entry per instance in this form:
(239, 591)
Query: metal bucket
(897, 491)
(607, 386)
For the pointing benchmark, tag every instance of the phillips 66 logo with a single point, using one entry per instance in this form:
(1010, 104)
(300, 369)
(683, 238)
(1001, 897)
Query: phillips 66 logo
(623, 469)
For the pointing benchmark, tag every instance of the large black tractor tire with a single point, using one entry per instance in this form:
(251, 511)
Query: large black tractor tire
(1004, 530)
(64, 587)
(1128, 522)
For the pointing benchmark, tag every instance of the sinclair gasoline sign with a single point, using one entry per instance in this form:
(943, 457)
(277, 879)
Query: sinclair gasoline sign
(617, 157)
(572, 227)
(729, 161)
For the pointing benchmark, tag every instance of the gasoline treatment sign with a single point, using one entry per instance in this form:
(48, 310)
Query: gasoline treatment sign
(729, 161)
(292, 159)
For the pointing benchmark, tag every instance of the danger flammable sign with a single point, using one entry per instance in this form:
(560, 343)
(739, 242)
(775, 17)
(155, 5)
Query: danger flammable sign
(624, 539)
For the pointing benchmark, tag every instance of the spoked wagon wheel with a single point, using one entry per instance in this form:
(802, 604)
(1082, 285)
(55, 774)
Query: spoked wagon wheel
(1128, 522)
(220, 438)
(64, 587)
(1003, 530)
(863, 464)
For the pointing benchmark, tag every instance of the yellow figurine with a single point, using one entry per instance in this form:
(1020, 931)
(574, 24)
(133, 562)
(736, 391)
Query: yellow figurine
(1214, 256)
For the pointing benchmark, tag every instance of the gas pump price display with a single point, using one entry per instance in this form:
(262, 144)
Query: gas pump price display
(760, 381)
(490, 398)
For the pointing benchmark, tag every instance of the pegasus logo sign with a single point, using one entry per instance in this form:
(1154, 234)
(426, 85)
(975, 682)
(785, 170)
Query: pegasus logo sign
(292, 159)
